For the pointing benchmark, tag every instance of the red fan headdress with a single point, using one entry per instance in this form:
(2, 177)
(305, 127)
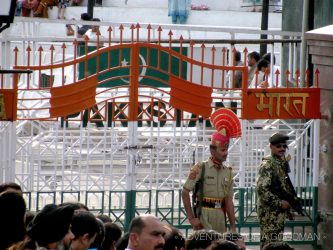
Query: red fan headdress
(227, 125)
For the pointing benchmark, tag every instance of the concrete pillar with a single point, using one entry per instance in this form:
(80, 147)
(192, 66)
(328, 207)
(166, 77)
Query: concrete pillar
(320, 44)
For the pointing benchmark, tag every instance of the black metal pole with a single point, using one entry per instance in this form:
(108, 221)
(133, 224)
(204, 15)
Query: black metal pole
(264, 25)
(90, 8)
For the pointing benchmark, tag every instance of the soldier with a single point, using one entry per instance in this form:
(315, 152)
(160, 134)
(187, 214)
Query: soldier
(214, 196)
(272, 208)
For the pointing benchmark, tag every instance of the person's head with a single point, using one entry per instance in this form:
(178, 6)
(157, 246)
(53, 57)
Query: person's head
(267, 57)
(10, 186)
(12, 211)
(237, 56)
(29, 216)
(112, 235)
(202, 239)
(85, 17)
(224, 245)
(75, 205)
(277, 246)
(174, 239)
(278, 144)
(227, 126)
(104, 218)
(234, 237)
(50, 227)
(84, 228)
(100, 235)
(95, 28)
(146, 232)
(219, 146)
(253, 58)
(263, 66)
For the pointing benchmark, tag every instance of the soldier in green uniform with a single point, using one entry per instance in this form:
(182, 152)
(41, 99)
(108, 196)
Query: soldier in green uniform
(271, 209)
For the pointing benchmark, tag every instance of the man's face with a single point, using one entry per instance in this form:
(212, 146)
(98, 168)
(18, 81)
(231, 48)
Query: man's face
(279, 149)
(221, 152)
(151, 236)
(251, 61)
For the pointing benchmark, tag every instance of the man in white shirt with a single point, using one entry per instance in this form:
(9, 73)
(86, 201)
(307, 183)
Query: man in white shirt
(252, 61)
(269, 82)
(146, 232)
(92, 34)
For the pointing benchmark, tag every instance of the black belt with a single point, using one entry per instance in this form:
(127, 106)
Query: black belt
(217, 204)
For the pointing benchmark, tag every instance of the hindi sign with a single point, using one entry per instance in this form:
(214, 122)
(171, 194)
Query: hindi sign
(286, 103)
(7, 105)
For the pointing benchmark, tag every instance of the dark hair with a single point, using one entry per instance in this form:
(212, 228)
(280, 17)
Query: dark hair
(277, 246)
(202, 239)
(112, 234)
(12, 211)
(174, 239)
(85, 17)
(29, 216)
(84, 222)
(224, 245)
(104, 218)
(75, 205)
(255, 55)
(136, 225)
(100, 235)
(12, 185)
(267, 57)
(262, 63)
(238, 56)
(122, 243)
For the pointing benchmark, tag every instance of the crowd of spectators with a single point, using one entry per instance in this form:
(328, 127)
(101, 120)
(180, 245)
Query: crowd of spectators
(72, 226)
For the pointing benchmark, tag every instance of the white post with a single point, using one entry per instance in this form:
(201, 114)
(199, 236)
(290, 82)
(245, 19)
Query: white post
(131, 158)
(242, 156)
(316, 151)
(303, 44)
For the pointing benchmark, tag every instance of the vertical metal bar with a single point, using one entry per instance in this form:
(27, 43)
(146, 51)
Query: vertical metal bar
(304, 44)
(264, 25)
(272, 63)
(316, 152)
(242, 156)
(134, 83)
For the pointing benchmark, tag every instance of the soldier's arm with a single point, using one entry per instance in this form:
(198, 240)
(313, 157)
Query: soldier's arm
(195, 222)
(264, 183)
(187, 203)
(193, 177)
(230, 210)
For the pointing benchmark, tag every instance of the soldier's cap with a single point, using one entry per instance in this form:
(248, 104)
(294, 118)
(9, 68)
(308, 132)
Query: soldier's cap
(220, 140)
(278, 138)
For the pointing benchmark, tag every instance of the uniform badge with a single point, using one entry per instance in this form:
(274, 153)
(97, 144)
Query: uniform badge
(193, 172)
(218, 204)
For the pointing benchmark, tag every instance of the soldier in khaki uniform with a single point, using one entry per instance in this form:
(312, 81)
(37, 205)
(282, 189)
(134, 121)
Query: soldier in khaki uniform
(217, 188)
(271, 209)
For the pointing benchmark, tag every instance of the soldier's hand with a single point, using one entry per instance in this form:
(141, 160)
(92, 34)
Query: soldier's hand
(290, 215)
(196, 224)
(285, 204)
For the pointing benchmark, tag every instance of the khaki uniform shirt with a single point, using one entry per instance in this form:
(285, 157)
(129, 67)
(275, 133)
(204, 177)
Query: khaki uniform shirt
(217, 183)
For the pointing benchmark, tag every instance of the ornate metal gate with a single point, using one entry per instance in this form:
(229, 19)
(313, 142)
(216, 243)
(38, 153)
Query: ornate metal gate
(118, 126)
